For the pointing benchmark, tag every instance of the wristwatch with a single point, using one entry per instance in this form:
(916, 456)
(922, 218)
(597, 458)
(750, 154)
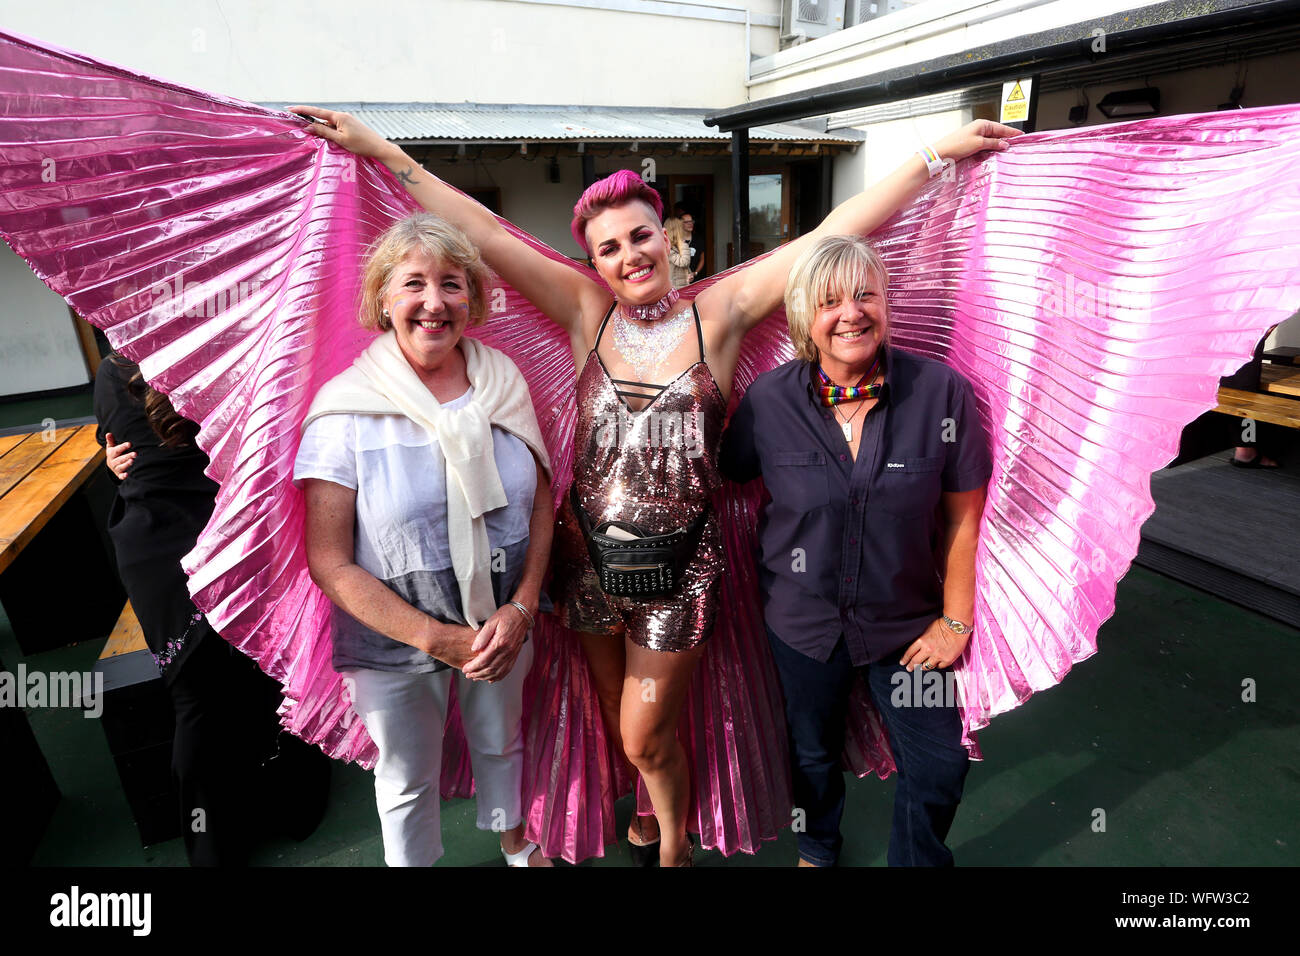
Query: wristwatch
(957, 627)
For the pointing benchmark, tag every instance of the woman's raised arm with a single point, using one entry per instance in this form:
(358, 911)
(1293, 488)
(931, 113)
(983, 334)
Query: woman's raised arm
(749, 296)
(561, 293)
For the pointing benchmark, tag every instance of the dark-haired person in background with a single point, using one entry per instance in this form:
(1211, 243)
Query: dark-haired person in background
(226, 726)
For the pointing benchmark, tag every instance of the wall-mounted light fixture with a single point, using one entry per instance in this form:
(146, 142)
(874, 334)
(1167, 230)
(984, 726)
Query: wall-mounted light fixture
(1126, 104)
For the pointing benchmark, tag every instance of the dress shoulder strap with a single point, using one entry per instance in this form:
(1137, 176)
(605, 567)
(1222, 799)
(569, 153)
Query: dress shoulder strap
(604, 322)
(699, 331)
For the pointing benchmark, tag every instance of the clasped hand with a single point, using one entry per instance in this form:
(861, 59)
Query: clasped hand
(496, 645)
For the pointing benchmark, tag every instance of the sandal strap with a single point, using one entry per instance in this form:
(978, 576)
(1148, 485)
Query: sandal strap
(519, 858)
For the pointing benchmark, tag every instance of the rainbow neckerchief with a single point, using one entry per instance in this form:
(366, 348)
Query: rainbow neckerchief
(831, 394)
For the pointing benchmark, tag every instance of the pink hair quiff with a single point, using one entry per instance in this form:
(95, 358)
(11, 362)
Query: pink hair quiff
(617, 189)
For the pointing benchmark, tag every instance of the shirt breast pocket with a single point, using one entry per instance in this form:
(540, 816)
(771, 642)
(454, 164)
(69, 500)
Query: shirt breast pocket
(798, 480)
(911, 486)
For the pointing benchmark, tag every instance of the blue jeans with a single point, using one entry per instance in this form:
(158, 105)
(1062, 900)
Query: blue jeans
(926, 741)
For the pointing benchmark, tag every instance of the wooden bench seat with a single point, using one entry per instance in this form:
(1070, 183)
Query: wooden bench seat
(55, 495)
(127, 635)
(1277, 409)
(1280, 379)
(39, 472)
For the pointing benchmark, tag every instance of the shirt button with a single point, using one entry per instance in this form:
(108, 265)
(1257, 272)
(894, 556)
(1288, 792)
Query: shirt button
(853, 540)
(848, 580)
(844, 457)
(854, 502)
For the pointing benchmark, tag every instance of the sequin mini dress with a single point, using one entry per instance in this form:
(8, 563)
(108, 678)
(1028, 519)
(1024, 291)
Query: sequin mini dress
(655, 468)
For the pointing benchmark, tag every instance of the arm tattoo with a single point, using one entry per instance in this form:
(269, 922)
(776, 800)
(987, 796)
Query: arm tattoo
(406, 177)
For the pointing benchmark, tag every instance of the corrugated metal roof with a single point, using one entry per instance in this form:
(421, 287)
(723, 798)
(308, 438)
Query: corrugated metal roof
(488, 122)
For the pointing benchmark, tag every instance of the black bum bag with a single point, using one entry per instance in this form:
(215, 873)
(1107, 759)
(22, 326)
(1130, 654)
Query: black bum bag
(645, 566)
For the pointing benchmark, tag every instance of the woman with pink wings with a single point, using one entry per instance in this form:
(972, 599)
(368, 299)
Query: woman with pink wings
(652, 399)
(1092, 284)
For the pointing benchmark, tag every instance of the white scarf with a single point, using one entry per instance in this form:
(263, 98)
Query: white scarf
(382, 382)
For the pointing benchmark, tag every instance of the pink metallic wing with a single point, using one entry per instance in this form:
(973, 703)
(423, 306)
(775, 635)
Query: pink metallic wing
(218, 245)
(1092, 284)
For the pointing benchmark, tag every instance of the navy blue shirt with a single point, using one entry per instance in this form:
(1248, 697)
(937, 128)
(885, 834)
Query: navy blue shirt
(851, 547)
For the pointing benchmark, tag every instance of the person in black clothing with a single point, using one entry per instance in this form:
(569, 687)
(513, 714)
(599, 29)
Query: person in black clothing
(226, 726)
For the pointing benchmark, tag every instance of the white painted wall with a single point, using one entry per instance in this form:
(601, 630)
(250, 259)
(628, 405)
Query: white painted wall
(484, 51)
(932, 29)
(887, 146)
(39, 348)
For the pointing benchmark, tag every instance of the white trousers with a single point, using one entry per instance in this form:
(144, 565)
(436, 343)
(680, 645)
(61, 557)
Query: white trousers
(405, 714)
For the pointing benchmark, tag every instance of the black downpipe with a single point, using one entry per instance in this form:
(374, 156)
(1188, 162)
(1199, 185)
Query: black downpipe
(740, 193)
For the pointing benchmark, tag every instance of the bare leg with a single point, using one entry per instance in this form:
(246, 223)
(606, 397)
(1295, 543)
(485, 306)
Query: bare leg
(608, 662)
(654, 690)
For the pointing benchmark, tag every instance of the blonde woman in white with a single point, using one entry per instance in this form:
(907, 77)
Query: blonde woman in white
(429, 524)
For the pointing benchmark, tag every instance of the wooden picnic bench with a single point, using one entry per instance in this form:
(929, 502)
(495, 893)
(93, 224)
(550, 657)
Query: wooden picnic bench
(1280, 379)
(39, 471)
(1276, 407)
(52, 538)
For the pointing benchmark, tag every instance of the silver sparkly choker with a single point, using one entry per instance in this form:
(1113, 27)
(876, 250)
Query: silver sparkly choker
(648, 313)
(647, 347)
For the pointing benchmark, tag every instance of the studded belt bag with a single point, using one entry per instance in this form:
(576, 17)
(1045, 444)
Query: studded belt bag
(643, 566)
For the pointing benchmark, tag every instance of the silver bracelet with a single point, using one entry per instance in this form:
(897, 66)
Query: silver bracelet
(524, 611)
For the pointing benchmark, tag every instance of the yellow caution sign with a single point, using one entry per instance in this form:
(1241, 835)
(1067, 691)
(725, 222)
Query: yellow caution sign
(1015, 101)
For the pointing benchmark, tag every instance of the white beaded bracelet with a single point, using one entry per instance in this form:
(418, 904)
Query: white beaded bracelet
(933, 162)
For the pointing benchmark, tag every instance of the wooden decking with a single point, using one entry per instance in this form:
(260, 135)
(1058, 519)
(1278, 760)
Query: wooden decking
(1228, 531)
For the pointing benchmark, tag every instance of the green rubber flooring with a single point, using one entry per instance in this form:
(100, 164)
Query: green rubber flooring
(1150, 737)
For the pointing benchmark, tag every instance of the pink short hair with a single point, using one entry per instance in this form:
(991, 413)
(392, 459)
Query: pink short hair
(617, 189)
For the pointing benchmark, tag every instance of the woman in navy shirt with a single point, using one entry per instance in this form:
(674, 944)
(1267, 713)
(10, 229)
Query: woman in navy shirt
(875, 467)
